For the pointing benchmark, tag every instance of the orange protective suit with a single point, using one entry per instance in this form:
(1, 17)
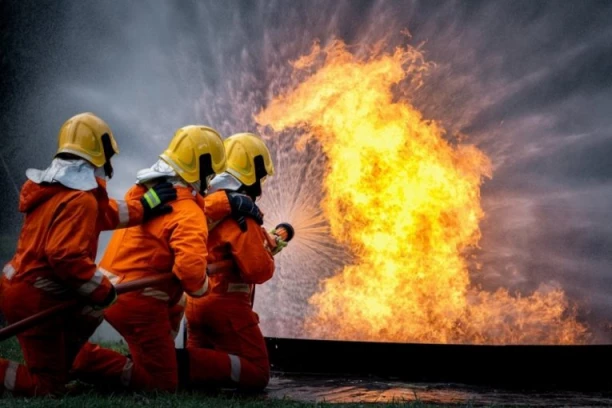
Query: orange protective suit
(173, 243)
(54, 262)
(225, 345)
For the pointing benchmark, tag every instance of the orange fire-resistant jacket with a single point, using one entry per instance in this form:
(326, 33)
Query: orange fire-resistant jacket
(173, 243)
(254, 264)
(57, 247)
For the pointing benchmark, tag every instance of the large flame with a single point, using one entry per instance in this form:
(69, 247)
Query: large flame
(407, 203)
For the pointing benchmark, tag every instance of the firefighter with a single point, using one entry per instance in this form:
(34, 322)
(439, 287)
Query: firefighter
(225, 346)
(65, 207)
(175, 243)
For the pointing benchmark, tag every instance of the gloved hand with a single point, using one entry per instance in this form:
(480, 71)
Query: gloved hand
(107, 302)
(280, 243)
(243, 206)
(154, 201)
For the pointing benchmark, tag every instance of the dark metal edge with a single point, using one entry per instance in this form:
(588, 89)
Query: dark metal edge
(532, 367)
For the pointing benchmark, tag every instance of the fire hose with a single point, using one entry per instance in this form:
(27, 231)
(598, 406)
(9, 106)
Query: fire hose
(29, 322)
(38, 318)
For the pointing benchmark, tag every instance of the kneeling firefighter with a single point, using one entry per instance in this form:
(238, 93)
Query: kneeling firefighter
(172, 244)
(66, 206)
(225, 346)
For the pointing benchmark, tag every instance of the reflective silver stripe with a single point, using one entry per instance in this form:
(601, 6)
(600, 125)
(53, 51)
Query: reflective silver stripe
(88, 287)
(235, 361)
(90, 311)
(49, 286)
(183, 301)
(124, 214)
(8, 271)
(203, 289)
(126, 373)
(156, 293)
(10, 375)
(42, 283)
(111, 276)
(205, 283)
(239, 287)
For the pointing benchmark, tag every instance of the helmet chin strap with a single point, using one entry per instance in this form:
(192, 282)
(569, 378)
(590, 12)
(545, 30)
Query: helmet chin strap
(206, 173)
(108, 169)
(108, 153)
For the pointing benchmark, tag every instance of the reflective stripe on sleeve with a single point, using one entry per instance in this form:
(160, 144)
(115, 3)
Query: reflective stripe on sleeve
(239, 287)
(111, 276)
(203, 289)
(88, 287)
(124, 214)
(156, 293)
(8, 271)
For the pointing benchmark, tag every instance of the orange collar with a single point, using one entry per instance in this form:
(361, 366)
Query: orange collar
(188, 193)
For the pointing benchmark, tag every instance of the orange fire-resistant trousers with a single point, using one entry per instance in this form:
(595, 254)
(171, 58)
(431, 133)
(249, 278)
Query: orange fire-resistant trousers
(49, 348)
(147, 325)
(225, 346)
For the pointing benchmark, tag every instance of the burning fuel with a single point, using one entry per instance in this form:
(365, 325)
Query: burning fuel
(406, 201)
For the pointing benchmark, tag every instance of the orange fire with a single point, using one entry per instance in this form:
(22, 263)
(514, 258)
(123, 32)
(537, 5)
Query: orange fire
(407, 203)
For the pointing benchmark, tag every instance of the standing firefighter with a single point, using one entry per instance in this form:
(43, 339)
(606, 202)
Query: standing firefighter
(172, 244)
(66, 207)
(225, 345)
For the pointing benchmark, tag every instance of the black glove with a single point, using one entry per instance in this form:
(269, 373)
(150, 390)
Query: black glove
(154, 201)
(243, 206)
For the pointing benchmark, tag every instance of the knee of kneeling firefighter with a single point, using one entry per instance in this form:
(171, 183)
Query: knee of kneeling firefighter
(248, 375)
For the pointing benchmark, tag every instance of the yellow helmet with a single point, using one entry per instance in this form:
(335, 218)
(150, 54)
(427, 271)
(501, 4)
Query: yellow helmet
(195, 152)
(89, 137)
(248, 158)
